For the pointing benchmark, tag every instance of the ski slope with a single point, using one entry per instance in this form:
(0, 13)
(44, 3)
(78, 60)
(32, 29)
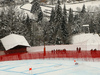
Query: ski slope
(58, 66)
(50, 67)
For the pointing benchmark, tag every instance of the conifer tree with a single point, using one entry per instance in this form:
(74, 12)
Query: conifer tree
(12, 22)
(35, 6)
(57, 24)
(65, 12)
(59, 30)
(40, 16)
(83, 9)
(83, 14)
(70, 18)
(64, 30)
(52, 17)
(58, 12)
(28, 22)
(91, 26)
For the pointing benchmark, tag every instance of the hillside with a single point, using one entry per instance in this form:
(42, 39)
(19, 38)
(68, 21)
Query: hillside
(47, 8)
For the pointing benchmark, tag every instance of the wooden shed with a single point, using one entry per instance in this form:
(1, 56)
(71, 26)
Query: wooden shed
(14, 43)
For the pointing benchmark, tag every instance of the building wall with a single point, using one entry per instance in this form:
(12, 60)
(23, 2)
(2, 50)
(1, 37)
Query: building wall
(14, 50)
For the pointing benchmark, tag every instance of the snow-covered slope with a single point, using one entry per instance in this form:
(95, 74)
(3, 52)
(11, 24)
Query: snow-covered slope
(89, 5)
(50, 67)
(90, 38)
(68, 5)
(85, 41)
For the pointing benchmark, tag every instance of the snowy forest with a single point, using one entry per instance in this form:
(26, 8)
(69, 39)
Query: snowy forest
(58, 28)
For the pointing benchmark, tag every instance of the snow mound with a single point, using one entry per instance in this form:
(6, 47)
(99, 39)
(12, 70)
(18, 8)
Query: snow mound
(86, 39)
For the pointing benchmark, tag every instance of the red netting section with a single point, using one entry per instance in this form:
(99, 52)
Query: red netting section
(51, 54)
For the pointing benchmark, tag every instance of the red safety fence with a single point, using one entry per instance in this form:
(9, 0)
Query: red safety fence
(51, 54)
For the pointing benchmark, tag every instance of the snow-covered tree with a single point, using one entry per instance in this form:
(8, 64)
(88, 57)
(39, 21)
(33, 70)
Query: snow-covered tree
(35, 6)
(52, 17)
(83, 9)
(91, 27)
(83, 15)
(12, 22)
(70, 17)
(59, 30)
(28, 24)
(57, 24)
(58, 12)
(65, 12)
(40, 16)
(65, 31)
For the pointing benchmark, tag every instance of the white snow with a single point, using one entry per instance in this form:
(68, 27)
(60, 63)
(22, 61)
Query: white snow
(80, 5)
(26, 11)
(50, 67)
(90, 6)
(85, 41)
(91, 41)
(87, 25)
(55, 47)
(56, 66)
(27, 6)
(51, 47)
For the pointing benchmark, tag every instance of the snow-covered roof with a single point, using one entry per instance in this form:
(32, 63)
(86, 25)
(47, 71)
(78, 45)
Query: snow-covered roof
(13, 40)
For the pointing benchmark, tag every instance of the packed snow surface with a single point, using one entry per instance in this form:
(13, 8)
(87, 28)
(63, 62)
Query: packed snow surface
(50, 67)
